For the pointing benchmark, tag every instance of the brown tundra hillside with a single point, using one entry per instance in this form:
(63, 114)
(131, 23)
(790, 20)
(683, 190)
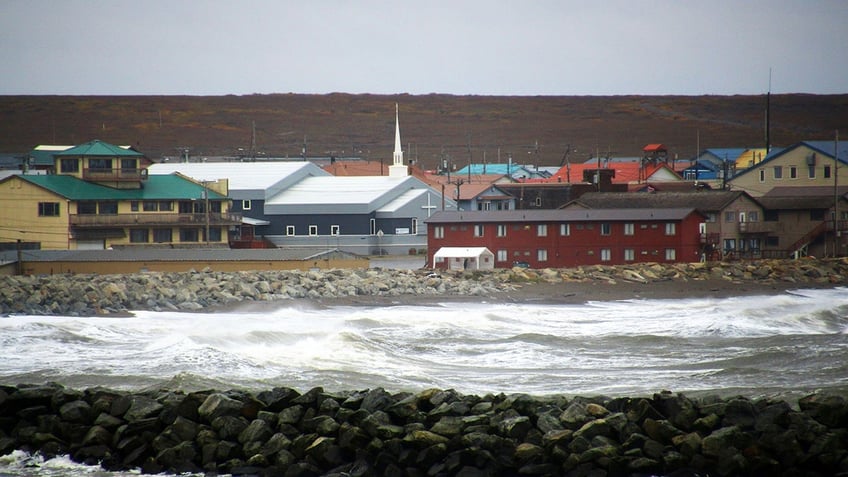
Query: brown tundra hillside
(529, 129)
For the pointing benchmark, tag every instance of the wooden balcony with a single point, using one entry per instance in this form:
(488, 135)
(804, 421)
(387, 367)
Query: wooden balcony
(114, 175)
(757, 227)
(154, 220)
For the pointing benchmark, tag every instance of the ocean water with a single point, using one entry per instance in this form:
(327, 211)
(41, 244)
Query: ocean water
(783, 345)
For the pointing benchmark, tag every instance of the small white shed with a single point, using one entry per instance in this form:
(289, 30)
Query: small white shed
(465, 258)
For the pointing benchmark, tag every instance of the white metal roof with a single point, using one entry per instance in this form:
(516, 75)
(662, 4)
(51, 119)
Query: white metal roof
(462, 252)
(336, 190)
(240, 175)
(402, 200)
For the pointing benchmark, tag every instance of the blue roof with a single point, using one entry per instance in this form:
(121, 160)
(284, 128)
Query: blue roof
(828, 147)
(499, 169)
(729, 154)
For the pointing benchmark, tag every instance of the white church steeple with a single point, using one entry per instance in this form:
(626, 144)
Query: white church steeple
(397, 169)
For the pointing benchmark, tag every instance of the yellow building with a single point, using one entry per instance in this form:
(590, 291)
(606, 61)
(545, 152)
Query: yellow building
(806, 164)
(750, 158)
(101, 196)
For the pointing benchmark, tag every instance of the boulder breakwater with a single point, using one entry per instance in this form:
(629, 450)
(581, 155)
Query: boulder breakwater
(283, 432)
(89, 295)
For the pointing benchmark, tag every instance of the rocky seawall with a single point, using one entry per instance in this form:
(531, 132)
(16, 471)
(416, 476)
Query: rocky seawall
(283, 432)
(89, 295)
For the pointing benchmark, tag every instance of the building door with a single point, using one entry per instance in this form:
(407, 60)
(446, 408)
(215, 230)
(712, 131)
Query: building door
(90, 244)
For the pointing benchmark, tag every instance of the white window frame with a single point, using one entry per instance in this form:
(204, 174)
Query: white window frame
(503, 255)
(290, 230)
(542, 230)
(670, 228)
(629, 228)
(565, 230)
(334, 230)
(313, 230)
(606, 255)
(671, 254)
(439, 232)
(479, 230)
(542, 255)
(502, 230)
(246, 204)
(606, 228)
(629, 255)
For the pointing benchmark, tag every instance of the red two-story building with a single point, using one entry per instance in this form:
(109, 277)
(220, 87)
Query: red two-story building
(565, 238)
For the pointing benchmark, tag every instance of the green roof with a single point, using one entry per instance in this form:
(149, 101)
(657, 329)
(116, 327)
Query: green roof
(99, 148)
(156, 187)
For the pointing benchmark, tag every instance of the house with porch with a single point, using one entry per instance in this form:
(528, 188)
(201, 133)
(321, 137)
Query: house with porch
(101, 196)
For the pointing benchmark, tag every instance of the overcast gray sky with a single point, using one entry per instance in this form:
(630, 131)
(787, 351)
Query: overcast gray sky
(485, 47)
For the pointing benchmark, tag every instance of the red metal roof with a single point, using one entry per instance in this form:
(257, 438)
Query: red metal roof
(654, 148)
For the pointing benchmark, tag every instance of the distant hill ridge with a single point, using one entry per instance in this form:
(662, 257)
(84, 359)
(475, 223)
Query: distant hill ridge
(434, 128)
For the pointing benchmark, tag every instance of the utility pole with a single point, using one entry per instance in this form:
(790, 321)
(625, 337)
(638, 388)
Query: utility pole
(836, 230)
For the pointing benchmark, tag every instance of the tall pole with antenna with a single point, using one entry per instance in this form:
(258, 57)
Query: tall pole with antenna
(768, 115)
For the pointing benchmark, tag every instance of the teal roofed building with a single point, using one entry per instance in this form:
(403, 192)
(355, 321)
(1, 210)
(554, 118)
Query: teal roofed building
(515, 171)
(99, 196)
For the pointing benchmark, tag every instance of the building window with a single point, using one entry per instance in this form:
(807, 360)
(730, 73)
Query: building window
(826, 172)
(793, 172)
(48, 209)
(629, 254)
(729, 245)
(754, 244)
(753, 216)
(565, 230)
(538, 201)
(69, 166)
(439, 232)
(139, 235)
(189, 235)
(134, 206)
(87, 208)
(730, 216)
(711, 217)
(167, 205)
(290, 230)
(670, 228)
(478, 230)
(502, 255)
(772, 241)
(414, 226)
(373, 226)
(313, 230)
(162, 235)
(107, 208)
(214, 234)
(100, 164)
(670, 254)
(246, 204)
(762, 175)
(542, 230)
(629, 228)
(542, 255)
(606, 228)
(606, 255)
(334, 230)
(778, 172)
(150, 206)
(811, 172)
(501, 230)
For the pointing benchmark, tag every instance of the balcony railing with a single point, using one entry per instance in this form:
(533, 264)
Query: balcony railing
(757, 227)
(119, 175)
(130, 220)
